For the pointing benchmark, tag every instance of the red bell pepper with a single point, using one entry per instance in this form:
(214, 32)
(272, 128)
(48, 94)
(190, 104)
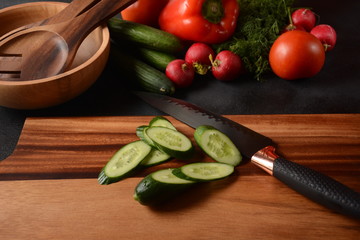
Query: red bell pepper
(207, 21)
(144, 11)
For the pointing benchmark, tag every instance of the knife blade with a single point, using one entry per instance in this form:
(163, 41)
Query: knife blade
(260, 149)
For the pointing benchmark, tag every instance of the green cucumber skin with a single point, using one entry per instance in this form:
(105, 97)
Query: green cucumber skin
(151, 192)
(104, 179)
(181, 155)
(140, 132)
(144, 36)
(176, 154)
(145, 76)
(177, 172)
(158, 60)
(180, 174)
(160, 121)
(200, 130)
(164, 158)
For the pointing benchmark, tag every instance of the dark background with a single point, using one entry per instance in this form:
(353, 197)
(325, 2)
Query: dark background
(336, 89)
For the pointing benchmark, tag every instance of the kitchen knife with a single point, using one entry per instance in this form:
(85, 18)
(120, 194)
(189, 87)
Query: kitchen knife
(312, 184)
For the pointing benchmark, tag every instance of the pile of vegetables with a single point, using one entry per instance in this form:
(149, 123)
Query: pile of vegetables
(225, 38)
(300, 51)
(159, 142)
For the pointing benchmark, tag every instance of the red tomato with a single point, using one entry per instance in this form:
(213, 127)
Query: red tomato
(296, 54)
(144, 11)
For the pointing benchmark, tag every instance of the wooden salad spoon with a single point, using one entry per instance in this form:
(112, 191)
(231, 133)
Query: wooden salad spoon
(75, 8)
(49, 50)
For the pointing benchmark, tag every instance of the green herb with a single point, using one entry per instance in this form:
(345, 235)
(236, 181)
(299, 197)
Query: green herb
(259, 24)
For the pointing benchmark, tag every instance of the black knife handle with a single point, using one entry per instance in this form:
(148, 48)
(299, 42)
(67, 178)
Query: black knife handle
(318, 187)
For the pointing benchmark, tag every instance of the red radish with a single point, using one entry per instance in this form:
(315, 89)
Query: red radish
(292, 27)
(326, 34)
(227, 66)
(180, 73)
(304, 17)
(198, 55)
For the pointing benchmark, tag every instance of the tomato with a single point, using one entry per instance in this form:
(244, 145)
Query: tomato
(296, 54)
(144, 11)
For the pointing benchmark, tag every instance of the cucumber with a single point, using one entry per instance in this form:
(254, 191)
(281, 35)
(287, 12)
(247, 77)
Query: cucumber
(155, 157)
(144, 36)
(140, 132)
(160, 186)
(171, 142)
(124, 162)
(217, 145)
(160, 121)
(157, 121)
(145, 76)
(158, 60)
(204, 172)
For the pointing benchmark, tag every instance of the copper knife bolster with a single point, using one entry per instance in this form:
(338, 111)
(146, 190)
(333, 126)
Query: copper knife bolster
(265, 158)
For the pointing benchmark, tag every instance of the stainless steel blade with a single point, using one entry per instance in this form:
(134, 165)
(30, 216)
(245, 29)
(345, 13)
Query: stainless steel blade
(246, 140)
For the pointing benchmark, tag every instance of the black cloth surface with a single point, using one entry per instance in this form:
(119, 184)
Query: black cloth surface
(336, 89)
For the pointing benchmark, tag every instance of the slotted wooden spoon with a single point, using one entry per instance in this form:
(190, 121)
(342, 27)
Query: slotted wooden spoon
(49, 50)
(75, 8)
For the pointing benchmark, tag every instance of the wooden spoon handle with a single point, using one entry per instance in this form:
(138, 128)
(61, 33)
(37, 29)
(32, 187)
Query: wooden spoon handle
(75, 31)
(89, 20)
(74, 9)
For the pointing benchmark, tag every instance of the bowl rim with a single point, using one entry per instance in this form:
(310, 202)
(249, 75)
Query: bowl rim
(105, 42)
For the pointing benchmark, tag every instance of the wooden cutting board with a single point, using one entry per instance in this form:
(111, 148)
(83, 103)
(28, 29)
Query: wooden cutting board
(51, 191)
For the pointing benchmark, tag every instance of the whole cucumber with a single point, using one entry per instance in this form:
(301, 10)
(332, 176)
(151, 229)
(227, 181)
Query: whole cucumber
(146, 76)
(157, 59)
(144, 36)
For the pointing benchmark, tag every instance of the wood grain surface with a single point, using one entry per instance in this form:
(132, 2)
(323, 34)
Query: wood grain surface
(49, 188)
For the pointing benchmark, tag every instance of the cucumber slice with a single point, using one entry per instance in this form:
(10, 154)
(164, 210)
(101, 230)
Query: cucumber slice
(204, 172)
(140, 132)
(123, 162)
(217, 145)
(160, 121)
(171, 142)
(155, 157)
(160, 186)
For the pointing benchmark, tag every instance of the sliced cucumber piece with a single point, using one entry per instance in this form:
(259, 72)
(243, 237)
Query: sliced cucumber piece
(217, 145)
(140, 132)
(160, 186)
(123, 162)
(155, 157)
(171, 142)
(204, 172)
(160, 121)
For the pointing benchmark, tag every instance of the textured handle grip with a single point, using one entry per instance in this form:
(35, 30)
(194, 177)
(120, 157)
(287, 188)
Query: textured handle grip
(318, 187)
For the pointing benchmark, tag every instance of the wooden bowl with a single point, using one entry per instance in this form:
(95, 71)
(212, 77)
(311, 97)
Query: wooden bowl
(88, 64)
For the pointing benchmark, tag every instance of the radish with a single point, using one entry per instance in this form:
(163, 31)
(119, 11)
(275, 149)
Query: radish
(326, 34)
(198, 55)
(180, 73)
(304, 17)
(292, 27)
(227, 66)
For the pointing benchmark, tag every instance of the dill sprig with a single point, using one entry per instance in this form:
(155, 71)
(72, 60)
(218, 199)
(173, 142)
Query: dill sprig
(259, 24)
